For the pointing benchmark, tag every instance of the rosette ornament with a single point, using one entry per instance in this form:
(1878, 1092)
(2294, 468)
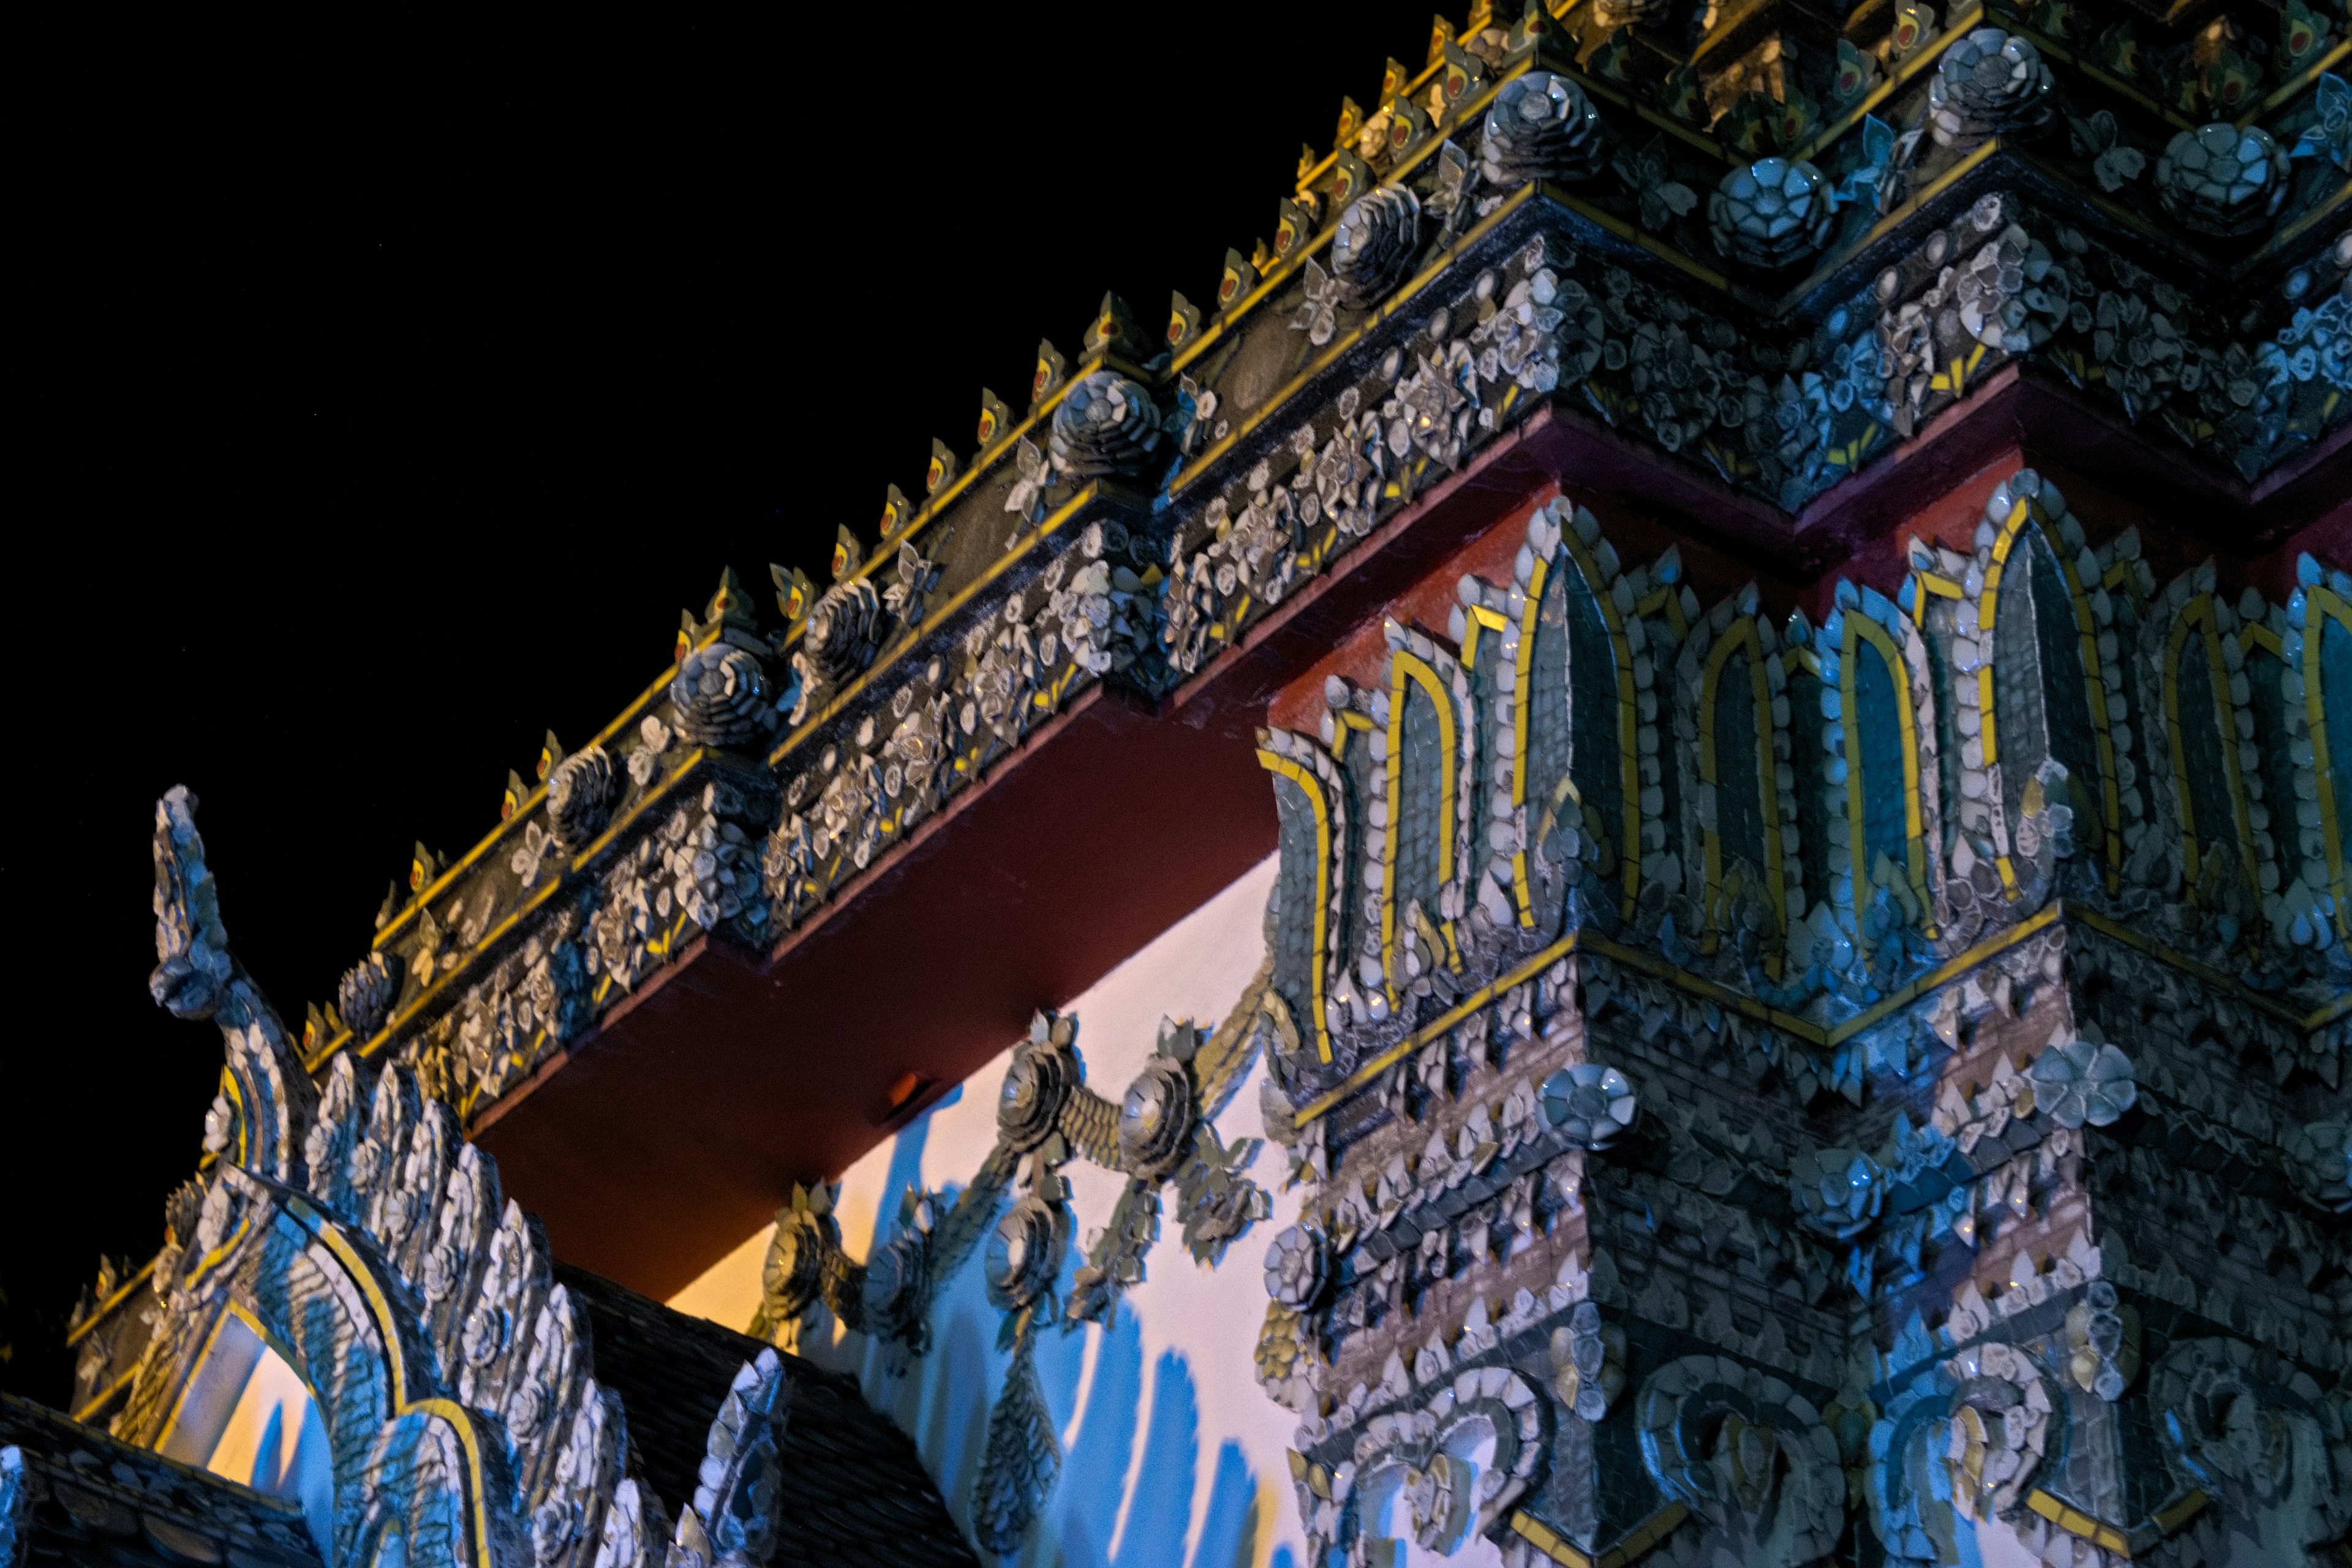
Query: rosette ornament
(1771, 212)
(794, 1278)
(1106, 426)
(1838, 1191)
(1375, 243)
(579, 795)
(722, 697)
(1298, 1269)
(1024, 1251)
(2083, 1081)
(1590, 1104)
(1988, 84)
(1155, 1120)
(898, 1280)
(366, 993)
(2220, 180)
(1542, 127)
(844, 629)
(1040, 1078)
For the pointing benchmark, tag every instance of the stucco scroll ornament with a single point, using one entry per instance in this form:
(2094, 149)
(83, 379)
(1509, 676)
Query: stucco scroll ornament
(265, 1099)
(1964, 1441)
(1165, 1131)
(1743, 1450)
(1455, 1464)
(2256, 1433)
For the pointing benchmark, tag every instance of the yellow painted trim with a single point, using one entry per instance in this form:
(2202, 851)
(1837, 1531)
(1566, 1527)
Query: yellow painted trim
(105, 1396)
(1407, 669)
(1860, 628)
(1894, 82)
(1651, 964)
(387, 1329)
(1400, 302)
(2172, 1519)
(2319, 603)
(1312, 787)
(1479, 619)
(1522, 696)
(1347, 721)
(2093, 677)
(1742, 635)
(188, 1382)
(120, 1294)
(1635, 1544)
(1629, 760)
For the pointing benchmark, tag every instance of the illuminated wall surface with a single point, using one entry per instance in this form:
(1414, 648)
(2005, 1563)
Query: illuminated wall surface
(1172, 1453)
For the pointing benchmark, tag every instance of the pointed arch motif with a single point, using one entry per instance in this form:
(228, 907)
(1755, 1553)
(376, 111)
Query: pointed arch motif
(1867, 652)
(1436, 685)
(2202, 737)
(1314, 836)
(2319, 652)
(1726, 755)
(2030, 525)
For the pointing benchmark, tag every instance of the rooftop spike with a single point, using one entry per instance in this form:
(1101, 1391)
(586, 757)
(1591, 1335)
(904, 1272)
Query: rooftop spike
(848, 554)
(1239, 279)
(551, 751)
(1441, 34)
(794, 593)
(1050, 372)
(995, 419)
(1184, 320)
(1352, 125)
(942, 471)
(730, 606)
(896, 510)
(1112, 331)
(517, 792)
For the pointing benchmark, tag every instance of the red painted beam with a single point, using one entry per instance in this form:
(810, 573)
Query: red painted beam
(661, 1140)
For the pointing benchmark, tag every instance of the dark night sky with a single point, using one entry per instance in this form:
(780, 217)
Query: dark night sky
(391, 391)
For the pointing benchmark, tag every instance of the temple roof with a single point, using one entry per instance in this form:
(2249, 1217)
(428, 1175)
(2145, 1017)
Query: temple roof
(82, 1497)
(853, 1491)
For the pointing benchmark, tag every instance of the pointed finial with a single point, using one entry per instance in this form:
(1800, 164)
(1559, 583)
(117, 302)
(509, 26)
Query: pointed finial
(942, 471)
(794, 593)
(551, 751)
(896, 510)
(1441, 34)
(1112, 329)
(1239, 279)
(1184, 320)
(730, 606)
(517, 792)
(1050, 372)
(689, 630)
(848, 554)
(1352, 124)
(1308, 159)
(424, 866)
(1393, 78)
(995, 419)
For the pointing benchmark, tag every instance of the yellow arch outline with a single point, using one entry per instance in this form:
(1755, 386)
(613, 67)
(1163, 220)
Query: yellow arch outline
(2094, 676)
(1312, 787)
(1629, 760)
(1742, 635)
(2198, 614)
(2322, 604)
(1405, 665)
(1860, 628)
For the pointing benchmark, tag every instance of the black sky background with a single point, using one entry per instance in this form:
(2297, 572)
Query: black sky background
(387, 389)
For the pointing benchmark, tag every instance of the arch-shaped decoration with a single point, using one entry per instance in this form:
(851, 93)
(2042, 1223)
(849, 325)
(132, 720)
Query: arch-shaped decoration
(2318, 651)
(1878, 789)
(1601, 649)
(2030, 560)
(2202, 695)
(1312, 803)
(1448, 1471)
(1743, 745)
(1422, 678)
(454, 1383)
(1741, 1449)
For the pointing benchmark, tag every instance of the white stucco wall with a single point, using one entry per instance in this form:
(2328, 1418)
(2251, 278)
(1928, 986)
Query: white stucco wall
(1172, 1456)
